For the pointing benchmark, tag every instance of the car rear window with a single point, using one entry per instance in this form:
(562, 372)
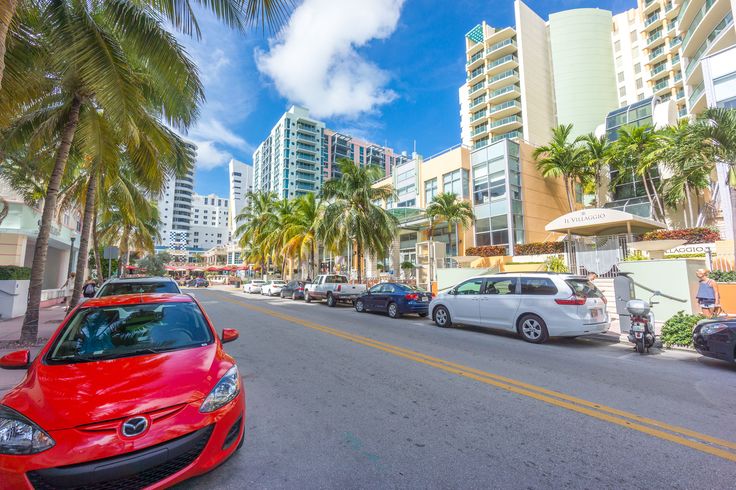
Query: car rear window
(336, 280)
(110, 332)
(584, 288)
(538, 286)
(113, 289)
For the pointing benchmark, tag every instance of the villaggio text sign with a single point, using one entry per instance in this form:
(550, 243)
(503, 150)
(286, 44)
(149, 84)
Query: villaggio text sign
(694, 248)
(586, 218)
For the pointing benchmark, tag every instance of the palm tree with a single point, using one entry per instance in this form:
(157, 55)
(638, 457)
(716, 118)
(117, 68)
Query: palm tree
(351, 216)
(447, 208)
(233, 13)
(100, 57)
(255, 225)
(635, 154)
(301, 230)
(597, 154)
(717, 126)
(563, 158)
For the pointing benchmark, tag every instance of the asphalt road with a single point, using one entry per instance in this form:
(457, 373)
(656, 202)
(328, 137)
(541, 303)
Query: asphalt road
(338, 399)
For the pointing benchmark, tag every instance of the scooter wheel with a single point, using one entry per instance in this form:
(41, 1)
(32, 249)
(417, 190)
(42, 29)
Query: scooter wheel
(640, 347)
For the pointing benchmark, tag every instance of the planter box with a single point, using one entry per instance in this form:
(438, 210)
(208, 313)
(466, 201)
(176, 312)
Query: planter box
(13, 298)
(728, 296)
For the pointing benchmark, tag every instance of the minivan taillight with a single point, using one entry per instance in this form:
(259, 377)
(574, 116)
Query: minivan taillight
(572, 300)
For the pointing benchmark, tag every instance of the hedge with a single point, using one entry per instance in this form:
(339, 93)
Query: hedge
(14, 273)
(690, 235)
(723, 276)
(486, 251)
(678, 330)
(539, 248)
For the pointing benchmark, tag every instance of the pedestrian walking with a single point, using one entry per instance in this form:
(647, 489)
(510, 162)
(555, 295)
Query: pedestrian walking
(708, 296)
(68, 286)
(90, 288)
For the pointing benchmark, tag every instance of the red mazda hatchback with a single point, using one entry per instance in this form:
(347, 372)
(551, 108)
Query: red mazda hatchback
(132, 391)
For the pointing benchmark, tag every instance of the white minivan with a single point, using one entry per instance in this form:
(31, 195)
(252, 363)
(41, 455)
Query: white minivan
(534, 305)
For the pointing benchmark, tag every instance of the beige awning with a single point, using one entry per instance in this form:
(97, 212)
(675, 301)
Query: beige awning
(601, 221)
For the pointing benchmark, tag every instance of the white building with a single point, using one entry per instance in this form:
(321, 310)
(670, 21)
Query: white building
(210, 220)
(241, 183)
(175, 206)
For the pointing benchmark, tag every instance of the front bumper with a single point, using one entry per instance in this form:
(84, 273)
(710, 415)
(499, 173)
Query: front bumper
(716, 350)
(179, 446)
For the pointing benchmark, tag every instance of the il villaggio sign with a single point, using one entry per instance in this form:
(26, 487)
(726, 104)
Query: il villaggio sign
(583, 217)
(695, 248)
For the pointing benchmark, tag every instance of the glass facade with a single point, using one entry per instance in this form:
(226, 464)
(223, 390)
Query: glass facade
(456, 182)
(430, 190)
(497, 196)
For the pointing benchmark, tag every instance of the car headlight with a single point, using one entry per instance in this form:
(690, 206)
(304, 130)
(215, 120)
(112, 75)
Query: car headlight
(224, 391)
(19, 435)
(712, 328)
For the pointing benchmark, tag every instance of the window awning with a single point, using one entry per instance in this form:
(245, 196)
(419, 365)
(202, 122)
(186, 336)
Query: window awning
(599, 221)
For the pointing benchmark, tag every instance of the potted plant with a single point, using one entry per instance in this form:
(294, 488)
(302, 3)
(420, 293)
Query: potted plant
(14, 282)
(407, 267)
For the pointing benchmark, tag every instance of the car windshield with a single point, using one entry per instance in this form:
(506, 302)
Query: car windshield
(111, 332)
(115, 288)
(584, 288)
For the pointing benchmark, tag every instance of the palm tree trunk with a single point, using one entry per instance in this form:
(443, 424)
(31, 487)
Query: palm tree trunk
(449, 237)
(123, 255)
(96, 245)
(29, 331)
(7, 11)
(457, 240)
(359, 259)
(732, 192)
(82, 256)
(649, 196)
(689, 204)
(657, 199)
(567, 192)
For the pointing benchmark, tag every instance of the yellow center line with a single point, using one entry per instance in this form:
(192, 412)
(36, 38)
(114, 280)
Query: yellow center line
(595, 410)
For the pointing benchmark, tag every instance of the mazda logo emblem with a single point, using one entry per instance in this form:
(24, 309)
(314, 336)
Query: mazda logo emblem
(135, 426)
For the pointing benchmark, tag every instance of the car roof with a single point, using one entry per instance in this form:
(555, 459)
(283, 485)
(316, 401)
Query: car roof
(137, 299)
(148, 279)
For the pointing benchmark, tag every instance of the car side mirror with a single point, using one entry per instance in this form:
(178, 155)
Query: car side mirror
(452, 292)
(229, 334)
(20, 359)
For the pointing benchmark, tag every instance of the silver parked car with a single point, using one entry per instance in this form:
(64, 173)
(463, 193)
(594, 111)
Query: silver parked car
(534, 305)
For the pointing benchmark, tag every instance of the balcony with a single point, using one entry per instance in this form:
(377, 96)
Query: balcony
(306, 168)
(505, 93)
(680, 94)
(506, 108)
(507, 136)
(682, 112)
(507, 46)
(658, 69)
(503, 78)
(651, 19)
(696, 20)
(723, 25)
(305, 156)
(304, 187)
(654, 36)
(307, 128)
(657, 53)
(474, 58)
(675, 41)
(697, 93)
(675, 59)
(475, 74)
(304, 147)
(507, 123)
(483, 128)
(478, 86)
(504, 63)
(478, 115)
(678, 76)
(661, 85)
(649, 6)
(478, 101)
(669, 8)
(481, 143)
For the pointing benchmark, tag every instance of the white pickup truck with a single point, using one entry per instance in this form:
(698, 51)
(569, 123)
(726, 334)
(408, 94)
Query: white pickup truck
(333, 288)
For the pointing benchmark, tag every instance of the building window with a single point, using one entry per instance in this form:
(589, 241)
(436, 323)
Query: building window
(619, 60)
(639, 83)
(617, 45)
(633, 36)
(620, 76)
(622, 91)
(456, 183)
(641, 96)
(430, 190)
(637, 68)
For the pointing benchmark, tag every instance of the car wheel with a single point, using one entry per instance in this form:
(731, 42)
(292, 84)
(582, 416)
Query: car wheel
(293, 295)
(533, 329)
(442, 317)
(307, 298)
(423, 315)
(393, 310)
(331, 300)
(359, 306)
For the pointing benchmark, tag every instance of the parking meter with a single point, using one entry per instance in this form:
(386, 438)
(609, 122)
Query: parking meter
(623, 288)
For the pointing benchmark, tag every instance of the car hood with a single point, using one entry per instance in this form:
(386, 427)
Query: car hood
(69, 395)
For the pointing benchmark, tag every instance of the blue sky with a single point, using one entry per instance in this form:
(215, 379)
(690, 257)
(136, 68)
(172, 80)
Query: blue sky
(385, 70)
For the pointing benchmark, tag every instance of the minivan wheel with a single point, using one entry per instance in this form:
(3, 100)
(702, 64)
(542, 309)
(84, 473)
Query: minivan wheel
(360, 306)
(533, 329)
(442, 317)
(393, 310)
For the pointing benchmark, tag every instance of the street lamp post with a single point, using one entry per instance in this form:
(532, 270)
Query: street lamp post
(71, 257)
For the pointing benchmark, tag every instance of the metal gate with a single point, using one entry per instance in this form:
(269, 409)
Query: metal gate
(599, 254)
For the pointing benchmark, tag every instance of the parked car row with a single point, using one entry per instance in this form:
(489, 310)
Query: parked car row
(536, 306)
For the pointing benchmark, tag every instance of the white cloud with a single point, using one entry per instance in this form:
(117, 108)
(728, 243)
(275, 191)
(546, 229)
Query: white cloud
(214, 130)
(314, 61)
(210, 156)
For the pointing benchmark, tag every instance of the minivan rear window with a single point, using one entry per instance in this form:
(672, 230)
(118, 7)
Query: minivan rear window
(584, 288)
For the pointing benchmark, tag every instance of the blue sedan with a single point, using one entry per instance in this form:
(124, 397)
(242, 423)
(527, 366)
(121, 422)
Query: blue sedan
(395, 299)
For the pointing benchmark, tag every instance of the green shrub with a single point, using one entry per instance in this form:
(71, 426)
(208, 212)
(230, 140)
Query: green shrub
(723, 276)
(556, 264)
(678, 330)
(635, 256)
(407, 265)
(14, 273)
(539, 248)
(684, 256)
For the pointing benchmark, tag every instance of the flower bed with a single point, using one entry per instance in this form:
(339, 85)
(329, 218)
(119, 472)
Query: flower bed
(486, 251)
(690, 235)
(539, 248)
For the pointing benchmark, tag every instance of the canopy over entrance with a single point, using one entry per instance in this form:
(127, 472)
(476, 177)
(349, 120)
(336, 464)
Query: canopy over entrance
(599, 221)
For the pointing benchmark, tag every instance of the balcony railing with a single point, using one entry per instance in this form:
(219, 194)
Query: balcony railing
(506, 136)
(659, 69)
(477, 102)
(656, 52)
(675, 41)
(678, 76)
(675, 59)
(682, 112)
(669, 6)
(477, 86)
(480, 129)
(505, 121)
(696, 20)
(654, 36)
(501, 44)
(661, 84)
(306, 127)
(505, 105)
(722, 26)
(504, 90)
(475, 57)
(681, 94)
(651, 19)
(697, 91)
(478, 115)
(503, 59)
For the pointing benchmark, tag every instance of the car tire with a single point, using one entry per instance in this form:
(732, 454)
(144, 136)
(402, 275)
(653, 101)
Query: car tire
(423, 315)
(393, 310)
(533, 329)
(360, 306)
(331, 302)
(293, 295)
(307, 298)
(441, 317)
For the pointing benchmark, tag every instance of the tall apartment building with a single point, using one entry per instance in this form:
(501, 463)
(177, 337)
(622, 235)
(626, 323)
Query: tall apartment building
(210, 222)
(289, 161)
(632, 84)
(175, 211)
(300, 154)
(523, 80)
(241, 183)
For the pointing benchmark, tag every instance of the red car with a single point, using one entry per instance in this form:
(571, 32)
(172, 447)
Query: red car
(132, 391)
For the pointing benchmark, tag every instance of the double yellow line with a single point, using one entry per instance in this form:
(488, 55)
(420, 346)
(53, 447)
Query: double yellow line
(679, 435)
